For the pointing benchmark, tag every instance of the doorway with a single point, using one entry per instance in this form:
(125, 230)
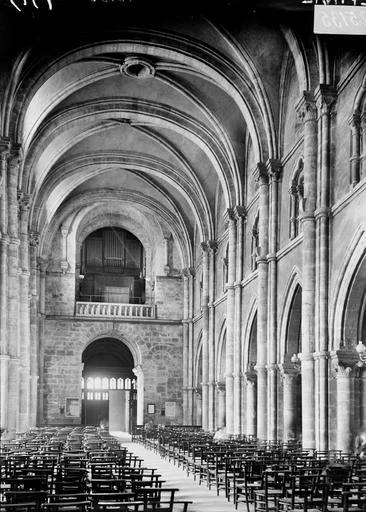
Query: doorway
(108, 386)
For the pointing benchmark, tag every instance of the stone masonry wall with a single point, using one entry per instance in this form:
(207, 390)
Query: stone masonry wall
(157, 347)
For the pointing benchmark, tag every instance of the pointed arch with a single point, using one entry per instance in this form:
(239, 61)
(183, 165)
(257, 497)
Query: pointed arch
(354, 257)
(248, 334)
(221, 346)
(293, 284)
(197, 376)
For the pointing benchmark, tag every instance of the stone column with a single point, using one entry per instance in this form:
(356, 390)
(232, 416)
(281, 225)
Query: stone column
(4, 374)
(13, 289)
(221, 404)
(4, 241)
(42, 267)
(307, 111)
(239, 212)
(185, 345)
(344, 365)
(34, 352)
(261, 175)
(274, 170)
(363, 156)
(140, 394)
(355, 160)
(289, 376)
(205, 327)
(198, 406)
(251, 384)
(24, 315)
(230, 320)
(344, 379)
(362, 398)
(64, 263)
(325, 96)
(190, 402)
(212, 248)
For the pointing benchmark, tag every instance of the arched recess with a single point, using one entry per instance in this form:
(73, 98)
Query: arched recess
(349, 292)
(290, 345)
(250, 339)
(249, 362)
(293, 286)
(293, 331)
(109, 385)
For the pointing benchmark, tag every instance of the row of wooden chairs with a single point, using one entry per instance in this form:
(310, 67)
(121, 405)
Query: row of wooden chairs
(265, 476)
(79, 470)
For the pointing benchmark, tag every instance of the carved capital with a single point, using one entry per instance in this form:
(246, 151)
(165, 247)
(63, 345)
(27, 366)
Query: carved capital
(220, 386)
(15, 155)
(64, 231)
(355, 121)
(240, 212)
(260, 173)
(4, 146)
(306, 107)
(212, 246)
(274, 169)
(345, 357)
(289, 370)
(34, 238)
(325, 97)
(24, 201)
(229, 215)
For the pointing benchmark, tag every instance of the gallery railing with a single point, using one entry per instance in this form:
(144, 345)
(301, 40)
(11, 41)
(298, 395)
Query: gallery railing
(114, 310)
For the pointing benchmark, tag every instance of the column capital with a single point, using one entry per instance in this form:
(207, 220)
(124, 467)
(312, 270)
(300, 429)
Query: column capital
(34, 239)
(15, 155)
(229, 215)
(4, 146)
(64, 230)
(250, 375)
(24, 201)
(260, 173)
(43, 264)
(271, 368)
(288, 370)
(212, 246)
(220, 386)
(325, 97)
(306, 107)
(355, 120)
(240, 212)
(345, 357)
(274, 169)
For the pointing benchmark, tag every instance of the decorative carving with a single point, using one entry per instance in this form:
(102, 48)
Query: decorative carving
(229, 215)
(34, 238)
(260, 173)
(274, 169)
(240, 212)
(136, 67)
(306, 107)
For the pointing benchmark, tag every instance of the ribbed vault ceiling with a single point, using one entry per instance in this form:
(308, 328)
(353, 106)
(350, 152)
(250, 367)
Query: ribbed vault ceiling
(151, 115)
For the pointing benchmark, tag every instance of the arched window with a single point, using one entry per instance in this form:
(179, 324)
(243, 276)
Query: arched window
(127, 383)
(90, 383)
(296, 200)
(97, 383)
(255, 243)
(105, 383)
(120, 383)
(113, 383)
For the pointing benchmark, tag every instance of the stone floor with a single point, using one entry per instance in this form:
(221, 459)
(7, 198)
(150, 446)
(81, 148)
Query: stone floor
(204, 500)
